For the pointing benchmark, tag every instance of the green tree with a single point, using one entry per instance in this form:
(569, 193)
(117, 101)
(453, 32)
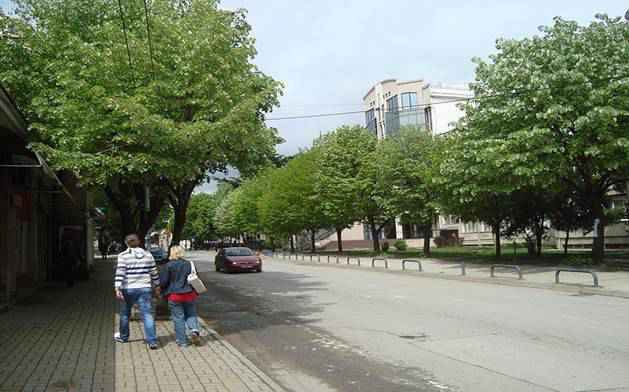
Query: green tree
(291, 203)
(555, 108)
(472, 185)
(343, 183)
(224, 217)
(199, 220)
(142, 102)
(408, 164)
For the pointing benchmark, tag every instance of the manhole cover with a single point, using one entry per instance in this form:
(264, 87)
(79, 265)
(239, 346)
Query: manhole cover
(414, 337)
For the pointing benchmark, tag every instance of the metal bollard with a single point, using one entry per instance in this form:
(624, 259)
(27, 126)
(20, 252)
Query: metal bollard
(594, 276)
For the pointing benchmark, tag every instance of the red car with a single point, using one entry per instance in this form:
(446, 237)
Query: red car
(237, 259)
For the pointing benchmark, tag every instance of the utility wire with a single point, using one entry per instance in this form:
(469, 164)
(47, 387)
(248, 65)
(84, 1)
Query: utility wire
(404, 109)
(408, 108)
(148, 32)
(126, 40)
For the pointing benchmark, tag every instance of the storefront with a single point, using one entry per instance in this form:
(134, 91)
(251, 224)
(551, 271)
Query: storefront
(40, 211)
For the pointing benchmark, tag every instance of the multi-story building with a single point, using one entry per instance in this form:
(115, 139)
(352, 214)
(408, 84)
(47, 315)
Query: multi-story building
(389, 106)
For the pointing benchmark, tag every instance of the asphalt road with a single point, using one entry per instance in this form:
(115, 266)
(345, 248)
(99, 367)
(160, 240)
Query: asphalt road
(330, 328)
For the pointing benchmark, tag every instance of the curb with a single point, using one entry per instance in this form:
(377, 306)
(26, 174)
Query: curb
(568, 288)
(275, 387)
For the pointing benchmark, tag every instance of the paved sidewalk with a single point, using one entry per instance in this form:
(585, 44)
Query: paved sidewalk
(63, 341)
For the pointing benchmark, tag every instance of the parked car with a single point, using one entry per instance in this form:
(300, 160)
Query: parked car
(237, 259)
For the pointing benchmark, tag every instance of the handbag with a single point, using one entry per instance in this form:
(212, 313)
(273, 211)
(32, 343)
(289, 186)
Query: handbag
(195, 281)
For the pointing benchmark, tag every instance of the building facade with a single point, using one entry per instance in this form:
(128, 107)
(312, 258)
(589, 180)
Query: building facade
(391, 105)
(43, 215)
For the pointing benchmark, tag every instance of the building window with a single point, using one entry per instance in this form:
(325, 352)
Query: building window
(412, 230)
(428, 118)
(409, 100)
(392, 117)
(392, 104)
(370, 120)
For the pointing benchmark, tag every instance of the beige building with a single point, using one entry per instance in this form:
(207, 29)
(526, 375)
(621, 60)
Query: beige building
(390, 105)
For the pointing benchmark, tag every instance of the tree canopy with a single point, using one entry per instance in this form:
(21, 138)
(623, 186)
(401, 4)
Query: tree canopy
(551, 109)
(129, 98)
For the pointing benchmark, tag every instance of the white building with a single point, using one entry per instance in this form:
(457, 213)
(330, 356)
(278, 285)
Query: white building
(390, 105)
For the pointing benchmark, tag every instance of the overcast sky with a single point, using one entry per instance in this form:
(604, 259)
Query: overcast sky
(328, 53)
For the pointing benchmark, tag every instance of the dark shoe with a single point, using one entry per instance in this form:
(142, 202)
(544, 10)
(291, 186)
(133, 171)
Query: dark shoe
(118, 339)
(195, 337)
(152, 346)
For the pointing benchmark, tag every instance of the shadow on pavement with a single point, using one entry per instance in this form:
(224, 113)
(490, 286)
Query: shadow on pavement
(235, 302)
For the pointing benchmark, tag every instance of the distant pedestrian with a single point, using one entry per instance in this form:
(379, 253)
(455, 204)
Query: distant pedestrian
(136, 279)
(70, 261)
(113, 248)
(181, 297)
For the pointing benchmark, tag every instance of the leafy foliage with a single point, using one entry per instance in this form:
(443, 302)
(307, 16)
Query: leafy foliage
(554, 110)
(123, 110)
(199, 223)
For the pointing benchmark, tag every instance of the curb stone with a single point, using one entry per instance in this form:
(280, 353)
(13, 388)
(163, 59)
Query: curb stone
(246, 362)
(566, 287)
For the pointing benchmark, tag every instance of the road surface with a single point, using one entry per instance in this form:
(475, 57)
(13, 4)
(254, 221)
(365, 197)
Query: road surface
(331, 328)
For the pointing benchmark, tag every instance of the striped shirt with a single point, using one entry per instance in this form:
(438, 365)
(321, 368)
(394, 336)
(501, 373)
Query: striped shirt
(136, 269)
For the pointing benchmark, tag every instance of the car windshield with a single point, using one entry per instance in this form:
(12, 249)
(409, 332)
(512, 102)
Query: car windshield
(238, 252)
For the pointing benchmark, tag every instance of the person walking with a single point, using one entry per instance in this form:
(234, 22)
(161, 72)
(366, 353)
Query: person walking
(70, 262)
(136, 279)
(181, 297)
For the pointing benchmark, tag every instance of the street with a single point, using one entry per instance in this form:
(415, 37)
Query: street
(330, 328)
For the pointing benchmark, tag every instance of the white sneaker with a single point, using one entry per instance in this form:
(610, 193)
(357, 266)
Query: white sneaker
(118, 339)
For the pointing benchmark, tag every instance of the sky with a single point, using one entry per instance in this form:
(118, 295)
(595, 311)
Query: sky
(328, 53)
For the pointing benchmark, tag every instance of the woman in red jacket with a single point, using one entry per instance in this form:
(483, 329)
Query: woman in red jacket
(181, 297)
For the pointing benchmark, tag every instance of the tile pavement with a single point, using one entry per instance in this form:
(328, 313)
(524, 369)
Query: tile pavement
(61, 340)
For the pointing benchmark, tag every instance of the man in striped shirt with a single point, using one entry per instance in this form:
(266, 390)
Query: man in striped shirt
(136, 279)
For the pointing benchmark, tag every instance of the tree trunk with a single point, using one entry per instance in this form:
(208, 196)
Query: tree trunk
(127, 224)
(598, 243)
(374, 235)
(180, 221)
(427, 236)
(180, 210)
(539, 236)
(292, 244)
(313, 233)
(497, 234)
(339, 239)
(129, 201)
(565, 244)
(530, 246)
(179, 200)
